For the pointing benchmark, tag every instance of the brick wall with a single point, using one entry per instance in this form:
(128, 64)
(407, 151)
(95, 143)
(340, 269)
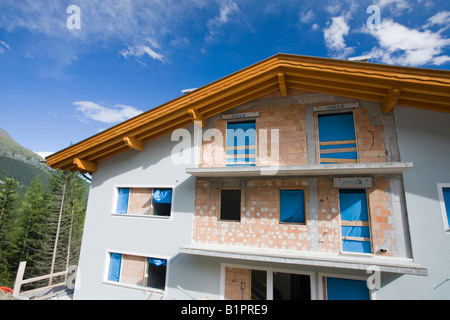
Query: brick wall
(260, 227)
(290, 120)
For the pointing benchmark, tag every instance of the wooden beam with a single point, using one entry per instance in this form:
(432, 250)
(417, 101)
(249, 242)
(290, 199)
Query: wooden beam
(85, 165)
(134, 143)
(391, 100)
(196, 117)
(282, 84)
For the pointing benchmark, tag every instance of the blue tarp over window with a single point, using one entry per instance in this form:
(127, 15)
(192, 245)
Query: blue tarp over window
(446, 193)
(240, 134)
(337, 127)
(347, 289)
(292, 206)
(157, 262)
(122, 200)
(353, 204)
(115, 262)
(353, 207)
(162, 195)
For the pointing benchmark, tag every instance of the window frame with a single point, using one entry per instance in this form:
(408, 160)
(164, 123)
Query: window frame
(444, 212)
(133, 286)
(132, 186)
(334, 112)
(305, 207)
(219, 207)
(240, 164)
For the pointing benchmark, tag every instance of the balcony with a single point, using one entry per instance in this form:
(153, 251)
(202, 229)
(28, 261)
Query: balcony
(374, 168)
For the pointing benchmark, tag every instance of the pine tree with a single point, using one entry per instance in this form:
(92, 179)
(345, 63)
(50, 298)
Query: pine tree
(33, 216)
(60, 235)
(9, 195)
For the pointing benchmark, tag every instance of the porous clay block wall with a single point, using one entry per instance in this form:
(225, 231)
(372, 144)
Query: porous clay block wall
(290, 123)
(380, 213)
(290, 120)
(259, 226)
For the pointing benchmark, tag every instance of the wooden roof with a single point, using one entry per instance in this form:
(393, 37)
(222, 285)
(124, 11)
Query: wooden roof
(389, 85)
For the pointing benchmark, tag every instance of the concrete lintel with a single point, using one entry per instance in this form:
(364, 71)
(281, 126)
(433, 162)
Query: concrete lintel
(306, 170)
(314, 259)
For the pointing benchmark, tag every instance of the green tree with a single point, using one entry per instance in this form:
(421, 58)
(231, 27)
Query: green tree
(60, 235)
(33, 217)
(9, 191)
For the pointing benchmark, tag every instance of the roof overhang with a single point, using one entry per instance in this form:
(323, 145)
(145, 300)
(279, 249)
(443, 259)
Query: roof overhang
(387, 85)
(375, 168)
(308, 258)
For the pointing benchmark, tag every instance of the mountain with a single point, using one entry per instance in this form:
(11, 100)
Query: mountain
(18, 162)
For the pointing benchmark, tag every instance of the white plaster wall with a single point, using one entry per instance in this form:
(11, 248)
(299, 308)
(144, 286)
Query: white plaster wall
(424, 138)
(149, 236)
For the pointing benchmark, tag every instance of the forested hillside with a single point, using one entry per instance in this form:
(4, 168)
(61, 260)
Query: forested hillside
(41, 214)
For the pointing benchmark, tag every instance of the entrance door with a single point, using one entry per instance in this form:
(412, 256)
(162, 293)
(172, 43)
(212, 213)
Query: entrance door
(245, 284)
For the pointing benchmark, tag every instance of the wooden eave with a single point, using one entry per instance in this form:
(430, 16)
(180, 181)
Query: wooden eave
(389, 85)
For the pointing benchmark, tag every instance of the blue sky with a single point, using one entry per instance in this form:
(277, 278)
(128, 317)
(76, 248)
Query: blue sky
(60, 84)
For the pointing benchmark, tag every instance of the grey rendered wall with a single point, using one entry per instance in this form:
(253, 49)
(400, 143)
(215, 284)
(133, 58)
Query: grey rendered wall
(424, 138)
(148, 236)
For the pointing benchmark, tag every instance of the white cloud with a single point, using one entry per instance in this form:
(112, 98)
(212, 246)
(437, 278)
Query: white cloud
(307, 17)
(400, 45)
(396, 7)
(97, 112)
(440, 18)
(140, 50)
(334, 38)
(108, 24)
(3, 46)
(226, 12)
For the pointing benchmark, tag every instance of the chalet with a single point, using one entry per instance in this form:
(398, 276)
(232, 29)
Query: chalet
(294, 178)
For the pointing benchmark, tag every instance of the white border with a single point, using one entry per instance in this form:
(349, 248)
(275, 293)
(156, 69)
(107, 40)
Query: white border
(116, 193)
(444, 212)
(127, 285)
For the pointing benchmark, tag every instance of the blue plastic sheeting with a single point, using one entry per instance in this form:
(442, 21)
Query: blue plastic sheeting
(336, 127)
(347, 289)
(241, 133)
(340, 155)
(356, 246)
(349, 231)
(157, 262)
(292, 206)
(122, 200)
(162, 195)
(115, 262)
(353, 207)
(353, 204)
(446, 193)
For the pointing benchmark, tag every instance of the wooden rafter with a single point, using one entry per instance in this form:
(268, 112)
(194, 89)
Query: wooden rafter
(134, 143)
(85, 165)
(282, 84)
(391, 100)
(388, 85)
